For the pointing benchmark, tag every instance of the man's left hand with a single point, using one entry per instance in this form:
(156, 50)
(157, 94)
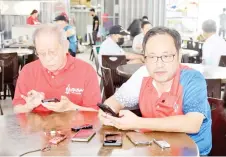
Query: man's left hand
(127, 120)
(64, 105)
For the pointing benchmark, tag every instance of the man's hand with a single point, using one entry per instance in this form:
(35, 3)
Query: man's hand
(127, 120)
(33, 99)
(102, 117)
(64, 105)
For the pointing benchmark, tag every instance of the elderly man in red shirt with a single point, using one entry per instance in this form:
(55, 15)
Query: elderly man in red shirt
(55, 75)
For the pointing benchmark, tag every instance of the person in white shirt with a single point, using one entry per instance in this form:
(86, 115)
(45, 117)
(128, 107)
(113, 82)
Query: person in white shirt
(214, 46)
(111, 46)
(138, 40)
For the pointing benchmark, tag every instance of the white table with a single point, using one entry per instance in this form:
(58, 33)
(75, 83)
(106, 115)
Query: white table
(190, 53)
(209, 72)
(20, 52)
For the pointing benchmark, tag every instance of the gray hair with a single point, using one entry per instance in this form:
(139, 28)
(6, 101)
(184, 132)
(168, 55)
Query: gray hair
(209, 26)
(50, 30)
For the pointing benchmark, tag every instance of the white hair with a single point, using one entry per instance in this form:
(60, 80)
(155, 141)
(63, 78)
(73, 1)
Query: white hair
(51, 30)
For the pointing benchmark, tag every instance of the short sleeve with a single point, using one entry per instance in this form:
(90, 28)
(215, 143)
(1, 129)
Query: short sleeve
(128, 93)
(195, 95)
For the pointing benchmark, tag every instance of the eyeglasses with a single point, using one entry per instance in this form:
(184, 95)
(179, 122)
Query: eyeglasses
(164, 58)
(43, 54)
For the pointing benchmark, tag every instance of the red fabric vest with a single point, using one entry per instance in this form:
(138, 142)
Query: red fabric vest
(169, 104)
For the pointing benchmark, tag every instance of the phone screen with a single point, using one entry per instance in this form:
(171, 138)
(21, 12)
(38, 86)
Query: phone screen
(113, 139)
(83, 135)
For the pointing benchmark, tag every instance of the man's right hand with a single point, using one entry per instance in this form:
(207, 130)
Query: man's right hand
(102, 117)
(33, 99)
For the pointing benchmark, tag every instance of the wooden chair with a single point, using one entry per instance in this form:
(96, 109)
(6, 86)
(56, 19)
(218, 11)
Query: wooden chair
(222, 62)
(107, 82)
(214, 88)
(218, 127)
(112, 62)
(91, 43)
(11, 71)
(95, 52)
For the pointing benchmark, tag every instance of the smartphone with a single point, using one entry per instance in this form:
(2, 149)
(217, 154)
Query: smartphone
(162, 144)
(85, 126)
(83, 135)
(50, 100)
(107, 109)
(57, 139)
(112, 139)
(138, 138)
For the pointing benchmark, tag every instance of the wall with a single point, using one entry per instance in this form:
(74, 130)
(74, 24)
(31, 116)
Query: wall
(48, 10)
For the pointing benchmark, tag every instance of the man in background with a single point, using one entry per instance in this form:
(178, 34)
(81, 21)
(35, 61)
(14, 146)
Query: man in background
(95, 24)
(111, 46)
(214, 46)
(223, 23)
(63, 23)
(138, 40)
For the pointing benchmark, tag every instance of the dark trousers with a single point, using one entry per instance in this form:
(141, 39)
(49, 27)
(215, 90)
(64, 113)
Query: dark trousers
(72, 53)
(222, 31)
(94, 37)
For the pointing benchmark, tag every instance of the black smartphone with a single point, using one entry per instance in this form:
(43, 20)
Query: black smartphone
(107, 109)
(85, 126)
(50, 100)
(112, 139)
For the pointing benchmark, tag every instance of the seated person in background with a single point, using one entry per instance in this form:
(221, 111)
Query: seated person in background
(111, 46)
(214, 46)
(33, 18)
(169, 94)
(138, 40)
(63, 23)
(55, 75)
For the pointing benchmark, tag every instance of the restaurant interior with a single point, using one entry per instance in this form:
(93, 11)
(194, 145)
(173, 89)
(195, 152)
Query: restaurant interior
(92, 23)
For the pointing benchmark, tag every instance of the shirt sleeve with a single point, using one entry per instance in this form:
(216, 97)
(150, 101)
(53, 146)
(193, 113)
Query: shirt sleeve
(22, 86)
(128, 93)
(91, 94)
(195, 96)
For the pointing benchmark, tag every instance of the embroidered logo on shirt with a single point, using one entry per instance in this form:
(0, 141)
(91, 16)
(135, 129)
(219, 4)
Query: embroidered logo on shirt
(70, 90)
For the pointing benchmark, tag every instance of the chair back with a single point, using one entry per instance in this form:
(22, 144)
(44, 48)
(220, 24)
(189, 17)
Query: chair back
(222, 62)
(31, 58)
(11, 67)
(95, 53)
(112, 62)
(107, 82)
(214, 88)
(218, 127)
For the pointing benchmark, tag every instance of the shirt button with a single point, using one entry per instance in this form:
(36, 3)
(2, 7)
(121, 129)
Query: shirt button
(53, 77)
(158, 106)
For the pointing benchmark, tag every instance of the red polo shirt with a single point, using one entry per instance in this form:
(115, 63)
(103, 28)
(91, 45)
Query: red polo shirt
(77, 81)
(31, 20)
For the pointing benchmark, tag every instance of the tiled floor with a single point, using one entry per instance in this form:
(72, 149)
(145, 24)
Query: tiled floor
(7, 104)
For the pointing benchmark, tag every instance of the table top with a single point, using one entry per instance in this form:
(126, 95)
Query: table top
(209, 72)
(19, 51)
(19, 45)
(23, 133)
(190, 53)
